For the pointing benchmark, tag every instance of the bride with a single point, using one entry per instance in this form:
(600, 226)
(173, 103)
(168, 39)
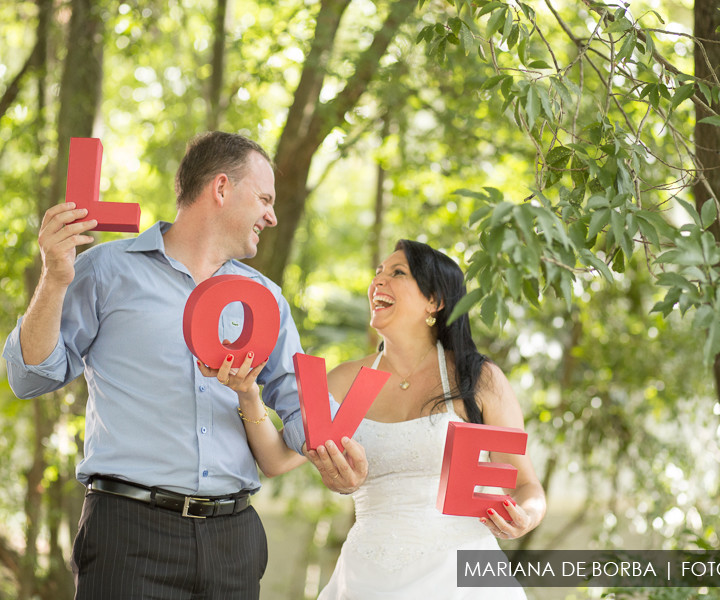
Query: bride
(401, 546)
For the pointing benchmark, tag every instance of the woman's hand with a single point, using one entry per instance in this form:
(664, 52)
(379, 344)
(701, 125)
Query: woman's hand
(242, 380)
(342, 472)
(519, 525)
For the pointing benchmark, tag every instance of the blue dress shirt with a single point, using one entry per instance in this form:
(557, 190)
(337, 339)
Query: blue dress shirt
(152, 417)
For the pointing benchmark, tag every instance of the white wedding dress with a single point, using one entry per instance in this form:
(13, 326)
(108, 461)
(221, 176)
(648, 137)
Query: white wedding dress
(401, 546)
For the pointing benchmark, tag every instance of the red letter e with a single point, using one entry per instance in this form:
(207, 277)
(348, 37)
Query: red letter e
(462, 470)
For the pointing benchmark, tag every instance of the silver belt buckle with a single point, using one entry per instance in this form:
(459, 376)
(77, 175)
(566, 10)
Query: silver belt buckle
(186, 505)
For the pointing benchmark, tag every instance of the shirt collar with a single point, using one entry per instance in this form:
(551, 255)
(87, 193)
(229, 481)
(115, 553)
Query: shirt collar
(150, 239)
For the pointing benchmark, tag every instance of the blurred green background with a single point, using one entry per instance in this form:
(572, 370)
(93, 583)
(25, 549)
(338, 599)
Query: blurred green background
(449, 123)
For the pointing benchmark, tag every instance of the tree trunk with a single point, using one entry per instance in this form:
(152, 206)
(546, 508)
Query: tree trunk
(80, 88)
(80, 92)
(707, 136)
(309, 122)
(218, 66)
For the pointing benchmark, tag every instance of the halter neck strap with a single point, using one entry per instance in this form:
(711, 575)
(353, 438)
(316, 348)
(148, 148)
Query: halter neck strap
(443, 374)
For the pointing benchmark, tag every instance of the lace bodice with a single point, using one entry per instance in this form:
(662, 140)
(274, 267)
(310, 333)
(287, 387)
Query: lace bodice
(396, 518)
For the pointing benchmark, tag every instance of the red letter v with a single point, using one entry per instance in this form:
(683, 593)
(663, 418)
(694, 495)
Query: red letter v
(313, 391)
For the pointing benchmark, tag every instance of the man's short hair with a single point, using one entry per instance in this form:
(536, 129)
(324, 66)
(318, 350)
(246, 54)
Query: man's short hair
(208, 155)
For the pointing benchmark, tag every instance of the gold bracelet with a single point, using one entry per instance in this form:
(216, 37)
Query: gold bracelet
(244, 418)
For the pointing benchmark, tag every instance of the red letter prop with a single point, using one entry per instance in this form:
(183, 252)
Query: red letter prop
(462, 470)
(202, 314)
(83, 188)
(313, 391)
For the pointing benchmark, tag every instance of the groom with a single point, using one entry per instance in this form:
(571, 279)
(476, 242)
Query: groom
(167, 466)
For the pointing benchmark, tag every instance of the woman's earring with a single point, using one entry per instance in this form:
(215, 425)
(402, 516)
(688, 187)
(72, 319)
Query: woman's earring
(430, 320)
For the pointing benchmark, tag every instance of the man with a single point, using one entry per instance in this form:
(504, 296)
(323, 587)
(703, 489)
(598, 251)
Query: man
(167, 463)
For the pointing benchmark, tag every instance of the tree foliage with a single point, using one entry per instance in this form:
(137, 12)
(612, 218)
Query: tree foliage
(606, 110)
(549, 148)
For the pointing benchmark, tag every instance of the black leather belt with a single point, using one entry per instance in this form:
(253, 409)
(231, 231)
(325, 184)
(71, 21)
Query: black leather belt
(188, 506)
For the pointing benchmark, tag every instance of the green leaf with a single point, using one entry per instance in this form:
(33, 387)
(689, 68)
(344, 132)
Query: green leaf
(495, 195)
(598, 221)
(671, 279)
(617, 224)
(619, 25)
(532, 106)
(425, 34)
(545, 102)
(539, 64)
(528, 11)
(714, 120)
(495, 22)
(471, 194)
(507, 27)
(703, 317)
(561, 89)
(491, 6)
(491, 82)
(648, 231)
(708, 213)
(683, 93)
(522, 51)
(531, 291)
(524, 219)
(479, 214)
(506, 86)
(559, 156)
(466, 303)
(627, 47)
(514, 282)
(709, 248)
(513, 37)
(706, 91)
(589, 259)
(691, 210)
(455, 24)
(712, 344)
(501, 213)
(467, 38)
(488, 310)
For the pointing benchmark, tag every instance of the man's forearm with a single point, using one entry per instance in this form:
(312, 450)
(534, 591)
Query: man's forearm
(40, 328)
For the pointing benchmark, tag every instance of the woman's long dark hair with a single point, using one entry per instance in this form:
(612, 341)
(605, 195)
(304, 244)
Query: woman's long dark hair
(439, 277)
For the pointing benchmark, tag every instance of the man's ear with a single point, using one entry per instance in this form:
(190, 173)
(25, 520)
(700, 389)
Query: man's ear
(220, 185)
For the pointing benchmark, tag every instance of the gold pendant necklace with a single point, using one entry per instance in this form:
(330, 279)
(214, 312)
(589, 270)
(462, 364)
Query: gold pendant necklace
(404, 383)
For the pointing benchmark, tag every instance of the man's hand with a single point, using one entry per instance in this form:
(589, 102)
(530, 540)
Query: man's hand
(342, 472)
(58, 239)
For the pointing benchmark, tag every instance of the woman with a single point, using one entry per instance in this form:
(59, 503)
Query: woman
(401, 546)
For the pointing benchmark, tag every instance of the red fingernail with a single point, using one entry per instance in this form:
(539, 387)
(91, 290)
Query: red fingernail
(490, 511)
(506, 502)
(251, 355)
(229, 357)
(198, 362)
(483, 520)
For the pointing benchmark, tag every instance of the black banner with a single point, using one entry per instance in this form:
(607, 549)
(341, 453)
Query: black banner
(588, 568)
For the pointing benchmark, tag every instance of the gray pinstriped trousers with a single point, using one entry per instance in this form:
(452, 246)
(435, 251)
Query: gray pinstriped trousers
(127, 550)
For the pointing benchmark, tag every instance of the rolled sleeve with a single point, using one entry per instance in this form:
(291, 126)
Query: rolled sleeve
(294, 430)
(28, 381)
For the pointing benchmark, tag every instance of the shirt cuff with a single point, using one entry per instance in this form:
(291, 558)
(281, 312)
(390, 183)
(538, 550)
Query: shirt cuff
(53, 367)
(294, 431)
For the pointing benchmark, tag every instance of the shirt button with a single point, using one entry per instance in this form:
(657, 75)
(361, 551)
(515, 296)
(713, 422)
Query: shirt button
(205, 473)
(202, 388)
(203, 430)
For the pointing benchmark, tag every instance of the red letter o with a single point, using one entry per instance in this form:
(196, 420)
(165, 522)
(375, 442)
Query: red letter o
(202, 314)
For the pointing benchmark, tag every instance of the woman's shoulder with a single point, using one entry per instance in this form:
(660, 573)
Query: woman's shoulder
(341, 377)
